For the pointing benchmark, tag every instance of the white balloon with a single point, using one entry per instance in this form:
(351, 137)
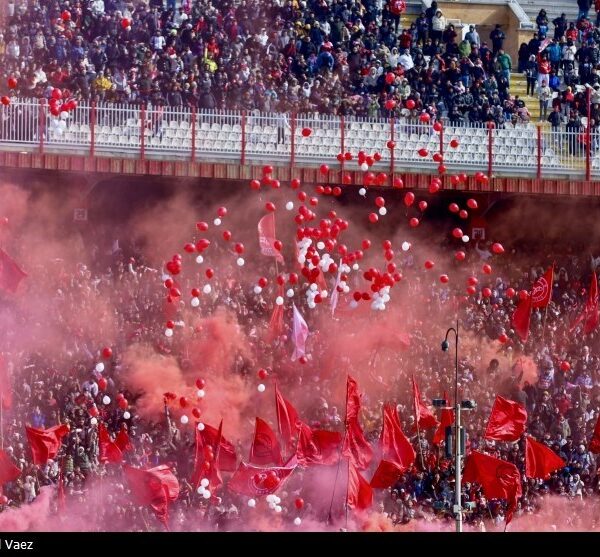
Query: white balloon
(207, 289)
(93, 421)
(405, 246)
(270, 498)
(200, 393)
(240, 261)
(126, 415)
(355, 267)
(312, 305)
(364, 167)
(199, 259)
(105, 400)
(272, 505)
(184, 420)
(276, 500)
(278, 508)
(200, 426)
(313, 287)
(382, 211)
(217, 221)
(465, 238)
(279, 300)
(195, 302)
(64, 115)
(301, 259)
(169, 332)
(204, 482)
(290, 293)
(297, 521)
(362, 191)
(320, 245)
(252, 503)
(353, 304)
(201, 489)
(324, 293)
(261, 388)
(346, 289)
(100, 367)
(257, 289)
(206, 494)
(289, 205)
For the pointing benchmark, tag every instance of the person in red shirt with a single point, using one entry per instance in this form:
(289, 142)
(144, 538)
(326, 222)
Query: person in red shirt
(396, 8)
(544, 68)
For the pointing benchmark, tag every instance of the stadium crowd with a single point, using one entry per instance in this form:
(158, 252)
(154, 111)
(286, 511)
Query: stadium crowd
(344, 57)
(562, 406)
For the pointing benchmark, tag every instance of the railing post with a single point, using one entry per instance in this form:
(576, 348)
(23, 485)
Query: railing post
(490, 150)
(142, 132)
(342, 142)
(193, 133)
(92, 128)
(441, 139)
(539, 151)
(588, 136)
(293, 143)
(393, 147)
(41, 124)
(243, 160)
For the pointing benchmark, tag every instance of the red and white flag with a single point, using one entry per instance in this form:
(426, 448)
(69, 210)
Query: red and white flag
(267, 237)
(299, 334)
(541, 291)
(255, 481)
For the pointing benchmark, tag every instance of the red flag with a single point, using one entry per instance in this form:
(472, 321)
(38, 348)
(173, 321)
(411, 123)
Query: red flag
(396, 448)
(287, 418)
(109, 451)
(521, 318)
(507, 420)
(360, 493)
(5, 388)
(594, 446)
(540, 461)
(227, 458)
(386, 475)
(265, 447)
(122, 440)
(590, 312)
(10, 273)
(356, 447)
(275, 329)
(541, 291)
(318, 446)
(256, 482)
(498, 478)
(9, 472)
(447, 419)
(45, 443)
(215, 479)
(267, 237)
(154, 487)
(423, 415)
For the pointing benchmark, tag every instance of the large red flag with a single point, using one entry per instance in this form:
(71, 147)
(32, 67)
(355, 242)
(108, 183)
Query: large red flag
(10, 273)
(395, 447)
(541, 291)
(386, 475)
(154, 487)
(109, 451)
(447, 419)
(507, 420)
(227, 458)
(360, 493)
(540, 461)
(265, 447)
(256, 482)
(356, 447)
(318, 446)
(498, 478)
(589, 315)
(45, 443)
(5, 388)
(267, 237)
(9, 472)
(594, 446)
(122, 440)
(423, 415)
(287, 418)
(521, 318)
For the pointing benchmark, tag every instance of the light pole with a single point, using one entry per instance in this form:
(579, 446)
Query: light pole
(458, 510)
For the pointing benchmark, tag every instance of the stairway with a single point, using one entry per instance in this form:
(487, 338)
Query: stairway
(518, 86)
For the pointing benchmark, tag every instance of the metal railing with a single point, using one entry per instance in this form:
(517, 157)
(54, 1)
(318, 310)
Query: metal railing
(124, 130)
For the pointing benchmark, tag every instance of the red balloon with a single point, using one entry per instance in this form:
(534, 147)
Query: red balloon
(471, 203)
(429, 264)
(107, 352)
(387, 245)
(295, 183)
(303, 359)
(195, 292)
(390, 144)
(510, 292)
(457, 233)
(487, 292)
(337, 191)
(263, 373)
(269, 206)
(262, 282)
(202, 227)
(3, 500)
(183, 402)
(472, 281)
(278, 245)
(102, 384)
(523, 295)
(366, 244)
(410, 104)
(487, 269)
(210, 273)
(222, 211)
(414, 222)
(373, 217)
(423, 152)
(398, 183)
(453, 208)
(306, 132)
(503, 338)
(12, 83)
(200, 383)
(455, 180)
(123, 404)
(441, 169)
(267, 169)
(65, 15)
(324, 169)
(463, 214)
(125, 23)
(437, 126)
(497, 248)
(5, 100)
(444, 279)
(409, 198)
(438, 157)
(390, 78)
(460, 255)
(390, 104)
(196, 413)
(380, 201)
(239, 248)
(227, 235)
(471, 290)
(424, 117)
(565, 366)
(57, 94)
(434, 187)
(454, 143)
